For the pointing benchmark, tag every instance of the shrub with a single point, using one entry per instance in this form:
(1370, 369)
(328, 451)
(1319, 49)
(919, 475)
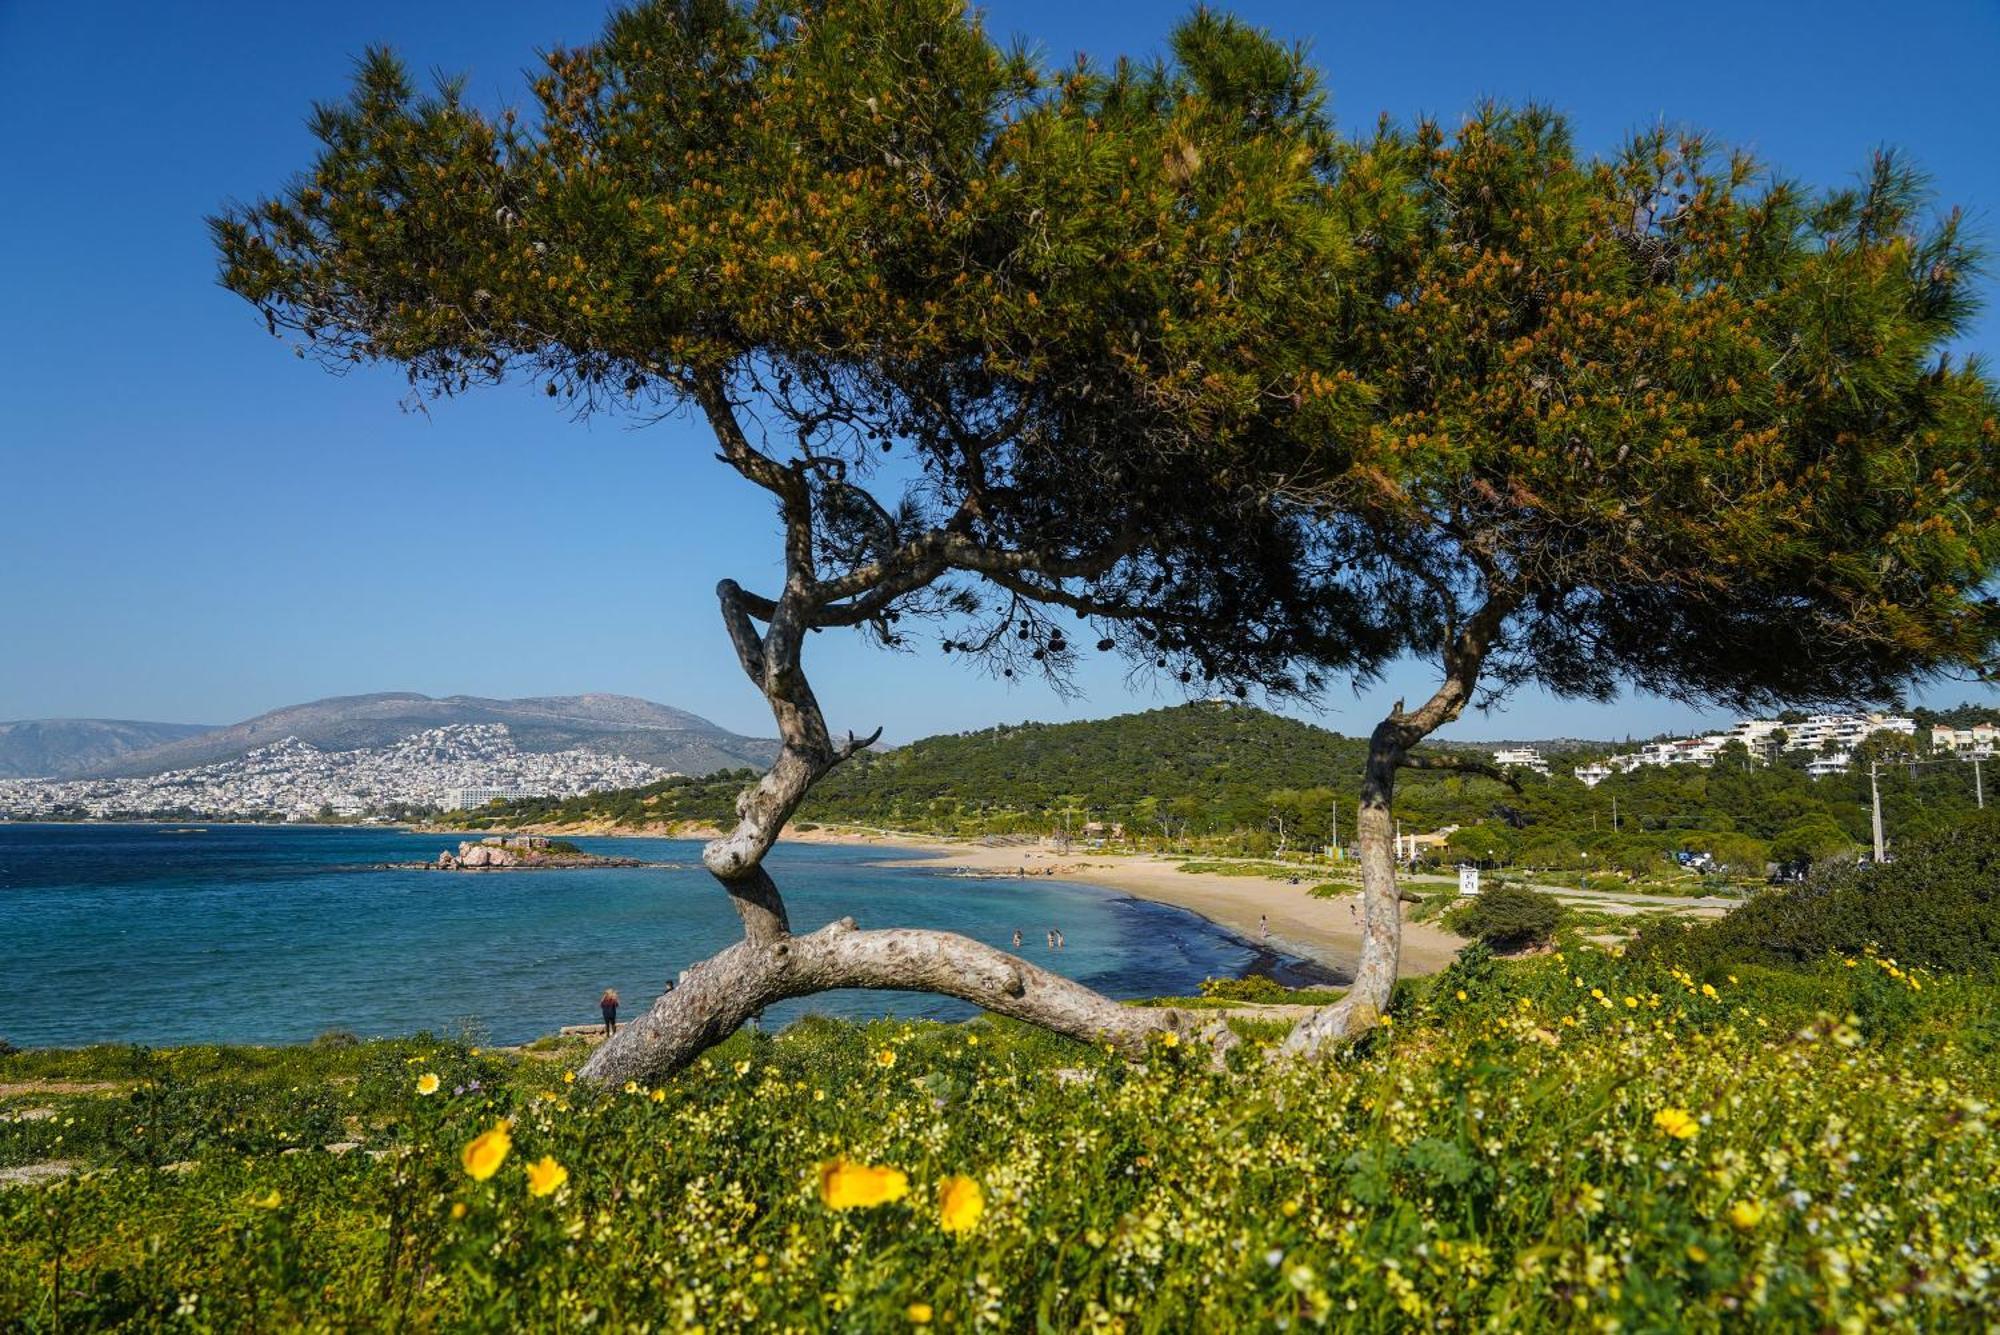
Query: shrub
(1938, 906)
(1507, 917)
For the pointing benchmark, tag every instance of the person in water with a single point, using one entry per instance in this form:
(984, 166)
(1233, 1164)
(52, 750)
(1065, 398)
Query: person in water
(1017, 938)
(608, 1003)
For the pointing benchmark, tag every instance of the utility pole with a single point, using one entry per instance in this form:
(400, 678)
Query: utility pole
(1978, 785)
(1875, 805)
(1614, 813)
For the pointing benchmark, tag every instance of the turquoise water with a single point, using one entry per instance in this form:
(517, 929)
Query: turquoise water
(262, 934)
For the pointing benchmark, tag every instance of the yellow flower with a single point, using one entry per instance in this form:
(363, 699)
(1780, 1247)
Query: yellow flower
(1461, 994)
(1746, 1215)
(960, 1203)
(1677, 1122)
(270, 1200)
(845, 1185)
(658, 1096)
(972, 1040)
(919, 1314)
(743, 1067)
(1708, 990)
(886, 1058)
(1170, 1039)
(545, 1176)
(427, 1083)
(569, 1077)
(631, 1086)
(485, 1153)
(458, 1209)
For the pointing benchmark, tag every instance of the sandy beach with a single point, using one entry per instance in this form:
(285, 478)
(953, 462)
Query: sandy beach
(1326, 931)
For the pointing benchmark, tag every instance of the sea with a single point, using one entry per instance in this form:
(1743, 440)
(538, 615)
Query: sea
(180, 934)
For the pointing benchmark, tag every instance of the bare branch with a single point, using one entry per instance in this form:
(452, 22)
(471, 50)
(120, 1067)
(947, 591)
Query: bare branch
(1444, 761)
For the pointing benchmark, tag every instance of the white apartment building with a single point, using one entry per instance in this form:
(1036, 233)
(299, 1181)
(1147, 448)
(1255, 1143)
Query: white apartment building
(1525, 757)
(464, 799)
(1836, 734)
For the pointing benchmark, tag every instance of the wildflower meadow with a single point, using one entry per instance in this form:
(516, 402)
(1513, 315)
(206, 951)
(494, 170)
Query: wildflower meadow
(1581, 1139)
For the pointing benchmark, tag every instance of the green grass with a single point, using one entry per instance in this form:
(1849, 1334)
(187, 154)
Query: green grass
(1490, 1160)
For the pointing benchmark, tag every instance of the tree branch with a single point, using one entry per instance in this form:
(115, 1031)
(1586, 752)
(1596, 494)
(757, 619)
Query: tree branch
(1459, 764)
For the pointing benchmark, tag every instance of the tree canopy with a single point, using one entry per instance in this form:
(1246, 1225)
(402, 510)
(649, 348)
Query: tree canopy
(1150, 346)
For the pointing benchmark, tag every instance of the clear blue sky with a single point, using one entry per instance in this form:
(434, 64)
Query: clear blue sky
(194, 526)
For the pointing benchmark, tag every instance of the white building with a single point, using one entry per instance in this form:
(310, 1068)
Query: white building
(1523, 757)
(1821, 766)
(1592, 775)
(464, 799)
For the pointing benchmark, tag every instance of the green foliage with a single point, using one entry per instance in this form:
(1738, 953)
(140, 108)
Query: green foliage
(1267, 991)
(1937, 906)
(1385, 1202)
(1507, 917)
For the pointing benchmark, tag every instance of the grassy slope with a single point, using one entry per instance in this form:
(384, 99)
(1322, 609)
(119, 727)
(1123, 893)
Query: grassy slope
(1495, 1158)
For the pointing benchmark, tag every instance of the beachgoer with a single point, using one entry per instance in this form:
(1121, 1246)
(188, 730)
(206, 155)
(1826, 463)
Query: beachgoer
(608, 1003)
(1017, 938)
(1052, 938)
(1264, 925)
(1060, 939)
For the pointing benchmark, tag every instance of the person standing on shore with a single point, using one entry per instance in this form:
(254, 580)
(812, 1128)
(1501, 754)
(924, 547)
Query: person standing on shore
(608, 1003)
(1264, 926)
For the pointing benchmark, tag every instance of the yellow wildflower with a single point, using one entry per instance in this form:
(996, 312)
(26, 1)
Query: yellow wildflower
(484, 1154)
(569, 1077)
(270, 1200)
(960, 1204)
(1677, 1122)
(1169, 1039)
(658, 1096)
(545, 1176)
(845, 1185)
(427, 1083)
(743, 1067)
(458, 1209)
(1746, 1215)
(919, 1314)
(972, 1040)
(1708, 990)
(886, 1058)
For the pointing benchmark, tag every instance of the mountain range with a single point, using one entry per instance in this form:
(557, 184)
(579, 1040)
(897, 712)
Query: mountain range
(608, 724)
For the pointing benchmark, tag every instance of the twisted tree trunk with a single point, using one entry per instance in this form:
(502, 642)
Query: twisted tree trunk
(1389, 749)
(771, 964)
(1381, 907)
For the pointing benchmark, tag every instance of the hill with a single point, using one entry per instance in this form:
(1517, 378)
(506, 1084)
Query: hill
(1230, 778)
(608, 724)
(59, 747)
(1206, 761)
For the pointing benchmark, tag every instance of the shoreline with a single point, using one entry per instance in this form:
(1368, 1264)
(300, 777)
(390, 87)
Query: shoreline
(1322, 935)
(1310, 941)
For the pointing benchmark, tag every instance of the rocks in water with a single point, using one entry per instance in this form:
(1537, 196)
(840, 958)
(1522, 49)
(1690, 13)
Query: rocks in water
(521, 852)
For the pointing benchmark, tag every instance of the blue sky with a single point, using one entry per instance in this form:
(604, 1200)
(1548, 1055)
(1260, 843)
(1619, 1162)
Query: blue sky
(195, 526)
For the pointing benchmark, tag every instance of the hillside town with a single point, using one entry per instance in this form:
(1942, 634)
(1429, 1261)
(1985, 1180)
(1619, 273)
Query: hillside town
(459, 765)
(1828, 741)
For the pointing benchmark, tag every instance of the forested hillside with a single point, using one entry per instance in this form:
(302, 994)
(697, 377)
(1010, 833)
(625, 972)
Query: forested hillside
(1232, 778)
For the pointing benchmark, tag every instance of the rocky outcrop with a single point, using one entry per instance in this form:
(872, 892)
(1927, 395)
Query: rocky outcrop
(521, 852)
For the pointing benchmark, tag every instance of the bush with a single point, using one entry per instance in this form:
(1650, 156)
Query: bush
(1937, 906)
(1507, 917)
